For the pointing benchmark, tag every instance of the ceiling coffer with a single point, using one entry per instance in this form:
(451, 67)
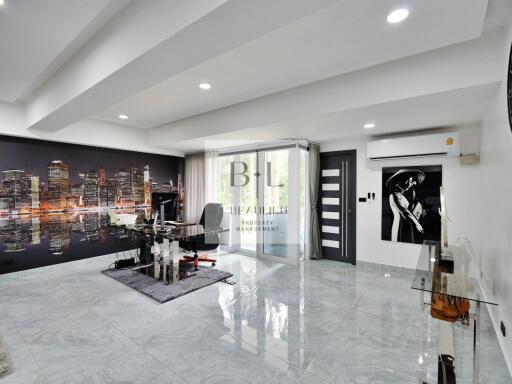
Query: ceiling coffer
(438, 144)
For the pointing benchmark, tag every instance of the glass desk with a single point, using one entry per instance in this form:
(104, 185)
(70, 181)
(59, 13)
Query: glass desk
(159, 251)
(464, 280)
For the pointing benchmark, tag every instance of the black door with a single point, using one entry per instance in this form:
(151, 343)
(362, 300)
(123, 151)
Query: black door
(338, 205)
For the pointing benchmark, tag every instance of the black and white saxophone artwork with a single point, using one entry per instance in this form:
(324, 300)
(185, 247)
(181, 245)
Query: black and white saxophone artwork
(411, 203)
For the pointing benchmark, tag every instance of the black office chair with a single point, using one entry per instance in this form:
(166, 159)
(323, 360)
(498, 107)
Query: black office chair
(210, 220)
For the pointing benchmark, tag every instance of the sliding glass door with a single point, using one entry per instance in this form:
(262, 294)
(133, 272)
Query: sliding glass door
(275, 186)
(264, 197)
(239, 196)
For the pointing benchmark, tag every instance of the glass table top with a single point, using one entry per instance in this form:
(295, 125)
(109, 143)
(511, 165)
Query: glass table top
(465, 282)
(177, 233)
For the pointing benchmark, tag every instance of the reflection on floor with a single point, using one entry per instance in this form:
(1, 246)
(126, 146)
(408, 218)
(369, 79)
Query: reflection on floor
(331, 323)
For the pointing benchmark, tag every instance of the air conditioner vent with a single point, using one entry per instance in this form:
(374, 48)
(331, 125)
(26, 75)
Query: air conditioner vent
(439, 144)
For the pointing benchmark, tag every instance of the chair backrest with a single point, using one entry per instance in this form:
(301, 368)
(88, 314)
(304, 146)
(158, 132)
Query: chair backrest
(212, 216)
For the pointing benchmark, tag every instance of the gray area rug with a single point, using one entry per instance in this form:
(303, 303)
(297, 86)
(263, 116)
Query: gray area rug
(162, 293)
(5, 363)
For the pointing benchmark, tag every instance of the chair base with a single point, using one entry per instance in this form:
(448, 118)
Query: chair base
(196, 259)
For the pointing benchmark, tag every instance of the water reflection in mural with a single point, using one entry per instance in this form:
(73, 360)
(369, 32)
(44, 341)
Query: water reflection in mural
(33, 241)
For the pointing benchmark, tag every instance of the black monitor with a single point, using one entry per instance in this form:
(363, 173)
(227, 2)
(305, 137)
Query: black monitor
(170, 200)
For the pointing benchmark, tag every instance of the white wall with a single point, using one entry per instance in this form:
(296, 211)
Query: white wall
(87, 132)
(462, 189)
(496, 219)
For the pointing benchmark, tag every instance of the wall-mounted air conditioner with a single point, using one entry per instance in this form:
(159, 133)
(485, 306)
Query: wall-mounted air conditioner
(438, 144)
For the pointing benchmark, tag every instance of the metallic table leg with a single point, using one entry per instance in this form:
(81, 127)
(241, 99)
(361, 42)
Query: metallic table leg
(422, 335)
(476, 344)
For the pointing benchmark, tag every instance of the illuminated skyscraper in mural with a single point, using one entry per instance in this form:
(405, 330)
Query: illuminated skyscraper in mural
(12, 187)
(77, 194)
(35, 190)
(111, 189)
(147, 185)
(28, 193)
(58, 185)
(124, 188)
(137, 183)
(91, 189)
(102, 177)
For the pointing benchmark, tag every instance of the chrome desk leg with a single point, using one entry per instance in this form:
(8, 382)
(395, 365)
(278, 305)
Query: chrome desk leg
(421, 361)
(157, 267)
(476, 344)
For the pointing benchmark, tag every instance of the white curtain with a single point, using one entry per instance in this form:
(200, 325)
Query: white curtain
(211, 177)
(201, 183)
(194, 187)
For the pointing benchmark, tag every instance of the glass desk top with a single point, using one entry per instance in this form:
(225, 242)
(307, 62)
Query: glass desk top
(465, 282)
(176, 233)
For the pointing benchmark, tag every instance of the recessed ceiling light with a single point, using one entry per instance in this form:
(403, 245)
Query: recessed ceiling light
(205, 86)
(369, 125)
(123, 117)
(1, 2)
(398, 15)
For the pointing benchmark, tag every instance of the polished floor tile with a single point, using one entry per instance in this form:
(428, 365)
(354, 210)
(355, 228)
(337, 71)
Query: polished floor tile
(323, 322)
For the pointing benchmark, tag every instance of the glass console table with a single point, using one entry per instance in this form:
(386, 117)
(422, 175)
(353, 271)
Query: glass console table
(464, 280)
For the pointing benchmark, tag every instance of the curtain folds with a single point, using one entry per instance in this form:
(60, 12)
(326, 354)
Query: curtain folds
(194, 187)
(212, 175)
(314, 241)
(202, 183)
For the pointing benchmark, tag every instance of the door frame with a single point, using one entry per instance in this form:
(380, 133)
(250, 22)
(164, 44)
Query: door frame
(292, 217)
(352, 226)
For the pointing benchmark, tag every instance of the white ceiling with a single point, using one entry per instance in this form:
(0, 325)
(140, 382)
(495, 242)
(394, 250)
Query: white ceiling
(293, 68)
(462, 107)
(34, 33)
(347, 36)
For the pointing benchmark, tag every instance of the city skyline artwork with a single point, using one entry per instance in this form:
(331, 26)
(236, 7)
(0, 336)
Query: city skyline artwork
(54, 199)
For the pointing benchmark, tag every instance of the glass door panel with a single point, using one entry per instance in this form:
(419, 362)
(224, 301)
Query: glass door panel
(275, 203)
(238, 194)
(227, 198)
(246, 169)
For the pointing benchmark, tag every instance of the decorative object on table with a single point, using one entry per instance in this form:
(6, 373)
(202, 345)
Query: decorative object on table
(162, 292)
(445, 307)
(5, 363)
(117, 218)
(411, 203)
(509, 89)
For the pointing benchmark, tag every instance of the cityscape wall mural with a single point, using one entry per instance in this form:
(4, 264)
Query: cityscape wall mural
(54, 199)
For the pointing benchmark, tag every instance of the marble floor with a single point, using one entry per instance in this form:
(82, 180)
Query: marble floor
(326, 322)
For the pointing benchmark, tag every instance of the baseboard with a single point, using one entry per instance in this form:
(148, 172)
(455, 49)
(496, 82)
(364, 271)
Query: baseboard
(384, 267)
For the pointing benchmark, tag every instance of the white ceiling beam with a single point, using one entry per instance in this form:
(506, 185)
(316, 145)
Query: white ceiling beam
(84, 132)
(463, 65)
(151, 41)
